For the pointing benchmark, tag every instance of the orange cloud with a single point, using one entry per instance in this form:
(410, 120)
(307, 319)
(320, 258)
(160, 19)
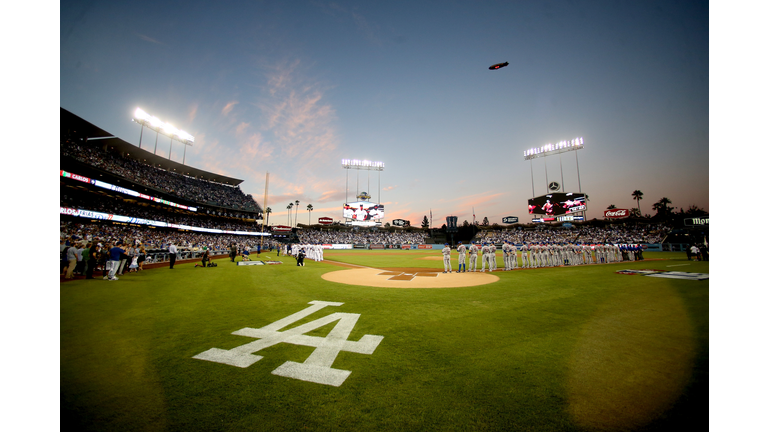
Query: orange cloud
(228, 107)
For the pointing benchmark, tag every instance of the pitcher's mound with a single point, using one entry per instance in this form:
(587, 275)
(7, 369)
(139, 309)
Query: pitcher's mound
(409, 278)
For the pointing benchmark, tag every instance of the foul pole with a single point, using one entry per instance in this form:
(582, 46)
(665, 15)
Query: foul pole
(266, 193)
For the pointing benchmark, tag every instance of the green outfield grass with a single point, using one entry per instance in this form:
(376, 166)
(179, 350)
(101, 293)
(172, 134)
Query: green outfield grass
(553, 349)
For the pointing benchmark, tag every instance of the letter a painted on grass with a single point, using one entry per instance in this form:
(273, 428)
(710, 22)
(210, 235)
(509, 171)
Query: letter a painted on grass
(317, 368)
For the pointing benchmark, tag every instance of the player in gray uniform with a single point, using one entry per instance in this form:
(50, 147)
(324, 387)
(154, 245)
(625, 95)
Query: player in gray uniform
(505, 252)
(447, 259)
(535, 256)
(492, 257)
(512, 255)
(473, 257)
(524, 256)
(462, 250)
(486, 256)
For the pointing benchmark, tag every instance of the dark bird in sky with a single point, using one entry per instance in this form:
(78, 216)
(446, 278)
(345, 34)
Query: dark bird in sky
(499, 65)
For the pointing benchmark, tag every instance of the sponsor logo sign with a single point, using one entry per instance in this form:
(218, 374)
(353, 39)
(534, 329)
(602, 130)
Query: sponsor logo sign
(249, 263)
(400, 222)
(341, 246)
(325, 220)
(509, 219)
(317, 368)
(377, 246)
(616, 213)
(425, 246)
(699, 221)
(281, 228)
(405, 246)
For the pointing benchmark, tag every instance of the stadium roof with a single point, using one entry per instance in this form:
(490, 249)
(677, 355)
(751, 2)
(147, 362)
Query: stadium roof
(75, 126)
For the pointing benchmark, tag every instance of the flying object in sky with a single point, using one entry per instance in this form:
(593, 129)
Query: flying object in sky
(499, 65)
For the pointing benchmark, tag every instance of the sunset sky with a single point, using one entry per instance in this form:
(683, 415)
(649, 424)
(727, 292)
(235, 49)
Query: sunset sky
(292, 88)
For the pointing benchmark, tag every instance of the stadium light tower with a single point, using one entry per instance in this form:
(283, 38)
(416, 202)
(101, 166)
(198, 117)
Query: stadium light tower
(553, 149)
(358, 165)
(160, 127)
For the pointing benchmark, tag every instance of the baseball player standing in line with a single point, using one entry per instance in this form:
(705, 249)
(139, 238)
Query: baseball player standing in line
(524, 255)
(492, 258)
(473, 257)
(447, 259)
(512, 255)
(505, 254)
(462, 257)
(486, 256)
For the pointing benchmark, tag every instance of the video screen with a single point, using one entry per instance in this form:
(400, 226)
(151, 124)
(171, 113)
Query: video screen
(557, 204)
(363, 211)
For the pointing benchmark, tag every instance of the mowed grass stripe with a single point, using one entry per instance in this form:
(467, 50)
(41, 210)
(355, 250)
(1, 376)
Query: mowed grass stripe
(524, 353)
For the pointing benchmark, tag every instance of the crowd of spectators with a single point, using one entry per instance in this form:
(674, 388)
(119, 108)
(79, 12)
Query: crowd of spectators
(612, 234)
(196, 190)
(360, 237)
(105, 204)
(154, 240)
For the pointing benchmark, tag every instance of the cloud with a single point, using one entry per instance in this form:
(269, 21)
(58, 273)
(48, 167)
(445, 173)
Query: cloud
(368, 30)
(149, 39)
(228, 107)
(192, 113)
(241, 127)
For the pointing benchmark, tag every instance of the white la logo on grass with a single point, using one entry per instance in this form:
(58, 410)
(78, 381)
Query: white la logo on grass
(317, 367)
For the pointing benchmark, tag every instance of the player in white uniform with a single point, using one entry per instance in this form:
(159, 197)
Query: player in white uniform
(492, 258)
(462, 250)
(361, 214)
(473, 257)
(447, 259)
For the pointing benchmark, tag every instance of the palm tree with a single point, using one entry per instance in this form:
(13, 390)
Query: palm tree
(610, 207)
(296, 221)
(638, 195)
(662, 206)
(309, 218)
(290, 206)
(268, 211)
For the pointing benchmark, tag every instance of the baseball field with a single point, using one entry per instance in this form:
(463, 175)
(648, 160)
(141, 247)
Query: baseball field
(384, 341)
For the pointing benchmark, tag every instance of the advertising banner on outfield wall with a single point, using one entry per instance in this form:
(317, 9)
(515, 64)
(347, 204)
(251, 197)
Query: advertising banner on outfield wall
(338, 246)
(90, 214)
(377, 246)
(405, 246)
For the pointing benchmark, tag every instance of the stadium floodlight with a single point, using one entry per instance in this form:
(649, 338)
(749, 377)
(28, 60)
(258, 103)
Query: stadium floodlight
(362, 164)
(141, 117)
(552, 149)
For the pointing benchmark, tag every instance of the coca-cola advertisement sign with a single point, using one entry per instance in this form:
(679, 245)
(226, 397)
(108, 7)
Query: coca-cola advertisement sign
(616, 213)
(325, 220)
